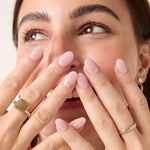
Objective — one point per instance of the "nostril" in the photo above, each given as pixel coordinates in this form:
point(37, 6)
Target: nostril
point(75, 63)
point(72, 66)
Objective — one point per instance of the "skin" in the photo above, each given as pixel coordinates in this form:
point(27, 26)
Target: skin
point(60, 35)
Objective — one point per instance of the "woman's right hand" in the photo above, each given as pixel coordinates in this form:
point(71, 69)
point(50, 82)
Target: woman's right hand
point(14, 134)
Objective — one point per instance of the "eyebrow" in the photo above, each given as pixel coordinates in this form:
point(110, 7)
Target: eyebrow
point(82, 10)
point(35, 16)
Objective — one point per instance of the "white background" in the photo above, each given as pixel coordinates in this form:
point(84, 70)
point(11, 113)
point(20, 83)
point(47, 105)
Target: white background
point(7, 48)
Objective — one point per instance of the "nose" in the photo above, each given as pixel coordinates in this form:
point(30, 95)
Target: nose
point(59, 45)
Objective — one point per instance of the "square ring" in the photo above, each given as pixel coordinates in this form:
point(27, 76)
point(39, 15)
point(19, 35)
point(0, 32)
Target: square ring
point(22, 105)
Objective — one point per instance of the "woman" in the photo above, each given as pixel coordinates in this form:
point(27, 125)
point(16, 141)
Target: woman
point(78, 67)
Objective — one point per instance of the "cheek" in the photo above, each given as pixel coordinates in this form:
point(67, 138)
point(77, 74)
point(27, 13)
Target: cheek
point(105, 55)
point(23, 52)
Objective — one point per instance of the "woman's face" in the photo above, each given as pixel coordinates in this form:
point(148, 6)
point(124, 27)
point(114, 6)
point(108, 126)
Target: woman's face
point(99, 29)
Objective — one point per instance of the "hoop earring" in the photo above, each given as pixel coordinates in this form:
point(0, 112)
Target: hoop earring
point(141, 80)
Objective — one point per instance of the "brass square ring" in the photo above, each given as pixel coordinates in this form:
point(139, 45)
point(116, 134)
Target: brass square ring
point(22, 106)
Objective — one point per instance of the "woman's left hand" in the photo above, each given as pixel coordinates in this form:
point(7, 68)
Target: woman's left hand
point(108, 111)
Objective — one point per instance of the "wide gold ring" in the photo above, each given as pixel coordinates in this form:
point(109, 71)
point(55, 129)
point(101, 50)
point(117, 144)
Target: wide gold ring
point(129, 129)
point(22, 106)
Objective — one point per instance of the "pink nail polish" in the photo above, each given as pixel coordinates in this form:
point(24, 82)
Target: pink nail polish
point(66, 59)
point(82, 81)
point(37, 53)
point(79, 123)
point(70, 79)
point(61, 124)
point(121, 66)
point(91, 66)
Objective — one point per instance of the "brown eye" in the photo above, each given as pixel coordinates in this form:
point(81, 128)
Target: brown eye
point(38, 36)
point(94, 29)
point(35, 35)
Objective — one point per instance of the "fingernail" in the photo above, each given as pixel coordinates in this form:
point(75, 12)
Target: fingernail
point(66, 59)
point(79, 123)
point(61, 124)
point(70, 79)
point(82, 81)
point(121, 66)
point(37, 53)
point(91, 66)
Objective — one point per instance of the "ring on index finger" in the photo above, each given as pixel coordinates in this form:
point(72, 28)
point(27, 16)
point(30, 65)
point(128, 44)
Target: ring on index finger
point(22, 106)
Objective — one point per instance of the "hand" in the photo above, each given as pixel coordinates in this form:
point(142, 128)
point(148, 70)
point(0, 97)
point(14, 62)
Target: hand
point(108, 112)
point(55, 141)
point(14, 134)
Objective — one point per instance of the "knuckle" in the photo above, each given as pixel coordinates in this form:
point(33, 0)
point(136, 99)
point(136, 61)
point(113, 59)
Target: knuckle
point(90, 96)
point(24, 67)
point(50, 145)
point(53, 71)
point(11, 84)
point(120, 107)
point(141, 101)
point(42, 116)
point(105, 122)
point(103, 82)
point(33, 93)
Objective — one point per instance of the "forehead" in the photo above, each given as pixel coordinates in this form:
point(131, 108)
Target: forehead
point(64, 7)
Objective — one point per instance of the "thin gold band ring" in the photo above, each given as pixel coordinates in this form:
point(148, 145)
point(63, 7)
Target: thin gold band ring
point(129, 129)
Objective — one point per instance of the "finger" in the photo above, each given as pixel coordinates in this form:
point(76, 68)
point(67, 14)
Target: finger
point(111, 99)
point(51, 143)
point(45, 113)
point(98, 115)
point(15, 80)
point(47, 80)
point(39, 88)
point(71, 137)
point(55, 141)
point(135, 98)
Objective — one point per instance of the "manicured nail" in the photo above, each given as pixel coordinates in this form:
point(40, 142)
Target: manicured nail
point(37, 53)
point(121, 66)
point(79, 123)
point(66, 59)
point(82, 81)
point(70, 79)
point(91, 66)
point(61, 124)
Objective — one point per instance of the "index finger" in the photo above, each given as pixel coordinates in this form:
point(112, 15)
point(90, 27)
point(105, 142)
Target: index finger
point(16, 79)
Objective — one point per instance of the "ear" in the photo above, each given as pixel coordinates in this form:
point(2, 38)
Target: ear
point(143, 60)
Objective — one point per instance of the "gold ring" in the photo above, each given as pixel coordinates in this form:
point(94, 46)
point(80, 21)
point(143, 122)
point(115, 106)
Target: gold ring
point(129, 129)
point(23, 107)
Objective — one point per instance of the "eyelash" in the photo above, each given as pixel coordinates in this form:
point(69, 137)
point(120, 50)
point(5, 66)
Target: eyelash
point(89, 24)
point(29, 33)
point(81, 31)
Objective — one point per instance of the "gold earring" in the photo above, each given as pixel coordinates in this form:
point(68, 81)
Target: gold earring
point(141, 80)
